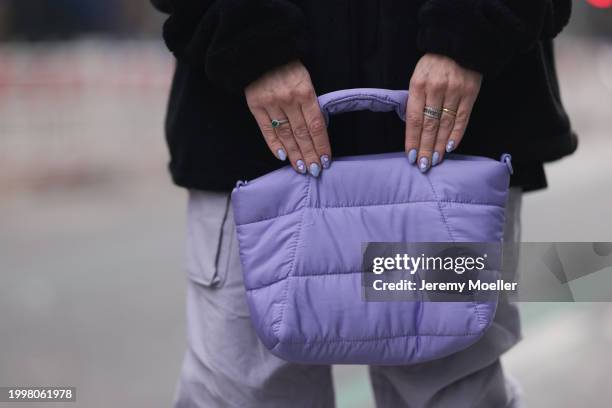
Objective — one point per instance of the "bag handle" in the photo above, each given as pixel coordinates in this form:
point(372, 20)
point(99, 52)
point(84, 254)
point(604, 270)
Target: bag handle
point(359, 99)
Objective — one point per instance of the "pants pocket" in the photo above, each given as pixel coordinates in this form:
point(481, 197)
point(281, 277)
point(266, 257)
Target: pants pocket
point(208, 233)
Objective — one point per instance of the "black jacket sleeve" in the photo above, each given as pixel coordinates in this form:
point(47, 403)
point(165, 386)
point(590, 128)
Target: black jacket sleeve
point(234, 41)
point(484, 35)
point(162, 5)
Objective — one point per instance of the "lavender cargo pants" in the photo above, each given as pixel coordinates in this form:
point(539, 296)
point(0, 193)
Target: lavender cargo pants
point(227, 366)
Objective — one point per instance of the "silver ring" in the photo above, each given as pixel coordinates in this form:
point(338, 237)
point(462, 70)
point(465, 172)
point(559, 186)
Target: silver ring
point(278, 122)
point(432, 113)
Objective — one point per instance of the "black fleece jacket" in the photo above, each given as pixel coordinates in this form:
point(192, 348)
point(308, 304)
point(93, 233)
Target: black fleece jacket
point(223, 45)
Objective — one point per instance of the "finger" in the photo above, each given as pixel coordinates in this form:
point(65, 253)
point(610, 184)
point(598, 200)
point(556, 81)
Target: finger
point(434, 98)
point(414, 118)
point(461, 121)
point(447, 122)
point(318, 131)
point(265, 125)
point(285, 135)
point(301, 133)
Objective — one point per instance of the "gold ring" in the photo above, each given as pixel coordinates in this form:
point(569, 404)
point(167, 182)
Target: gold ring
point(449, 111)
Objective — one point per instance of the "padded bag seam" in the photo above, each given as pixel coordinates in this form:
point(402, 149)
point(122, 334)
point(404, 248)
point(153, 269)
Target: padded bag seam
point(446, 219)
point(331, 207)
point(439, 205)
point(391, 337)
point(276, 328)
point(450, 233)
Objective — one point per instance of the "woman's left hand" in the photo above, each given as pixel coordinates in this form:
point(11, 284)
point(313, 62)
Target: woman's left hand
point(442, 94)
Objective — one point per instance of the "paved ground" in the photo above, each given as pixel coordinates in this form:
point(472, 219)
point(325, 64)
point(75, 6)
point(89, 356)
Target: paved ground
point(91, 285)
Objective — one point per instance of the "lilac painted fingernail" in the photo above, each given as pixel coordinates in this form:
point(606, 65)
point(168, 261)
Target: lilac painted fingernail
point(450, 146)
point(301, 167)
point(282, 156)
point(412, 156)
point(424, 164)
point(435, 159)
point(314, 169)
point(325, 162)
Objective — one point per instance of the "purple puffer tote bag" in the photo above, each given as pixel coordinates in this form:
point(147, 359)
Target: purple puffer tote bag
point(301, 241)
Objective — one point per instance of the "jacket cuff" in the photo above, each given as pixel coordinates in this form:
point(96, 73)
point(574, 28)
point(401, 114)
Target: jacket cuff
point(237, 41)
point(475, 55)
point(480, 35)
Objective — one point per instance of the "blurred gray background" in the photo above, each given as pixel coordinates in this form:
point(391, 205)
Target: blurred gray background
point(91, 241)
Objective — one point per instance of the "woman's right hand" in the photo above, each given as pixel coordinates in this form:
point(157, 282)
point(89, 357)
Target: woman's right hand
point(286, 94)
